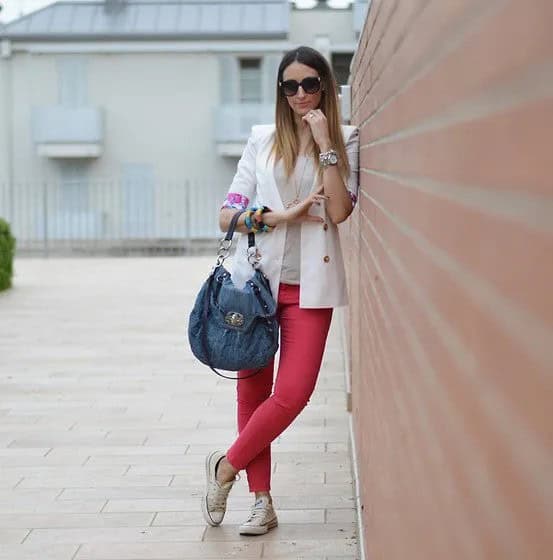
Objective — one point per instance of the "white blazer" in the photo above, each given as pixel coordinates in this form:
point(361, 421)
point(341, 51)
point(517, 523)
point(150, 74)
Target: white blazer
point(322, 275)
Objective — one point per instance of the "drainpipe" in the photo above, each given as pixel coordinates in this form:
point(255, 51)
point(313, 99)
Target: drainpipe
point(5, 54)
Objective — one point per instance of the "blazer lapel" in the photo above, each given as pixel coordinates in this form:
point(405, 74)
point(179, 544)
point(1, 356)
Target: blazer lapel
point(268, 188)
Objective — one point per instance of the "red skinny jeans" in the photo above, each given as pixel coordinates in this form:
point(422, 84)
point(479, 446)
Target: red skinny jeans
point(262, 417)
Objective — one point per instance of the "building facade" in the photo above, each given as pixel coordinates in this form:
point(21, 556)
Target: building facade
point(124, 119)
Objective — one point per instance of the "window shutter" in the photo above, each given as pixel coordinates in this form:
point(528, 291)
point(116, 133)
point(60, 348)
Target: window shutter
point(229, 77)
point(270, 69)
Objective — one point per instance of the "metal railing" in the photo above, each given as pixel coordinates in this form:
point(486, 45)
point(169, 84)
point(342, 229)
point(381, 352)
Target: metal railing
point(112, 217)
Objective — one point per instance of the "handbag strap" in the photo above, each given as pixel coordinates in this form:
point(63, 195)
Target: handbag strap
point(232, 225)
point(222, 255)
point(232, 228)
point(226, 242)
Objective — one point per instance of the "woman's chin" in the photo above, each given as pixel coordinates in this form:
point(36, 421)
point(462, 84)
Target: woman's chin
point(302, 111)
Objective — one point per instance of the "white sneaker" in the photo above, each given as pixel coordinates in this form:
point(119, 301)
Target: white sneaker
point(261, 520)
point(214, 503)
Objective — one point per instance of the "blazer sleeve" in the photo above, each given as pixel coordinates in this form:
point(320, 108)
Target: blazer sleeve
point(243, 186)
point(352, 151)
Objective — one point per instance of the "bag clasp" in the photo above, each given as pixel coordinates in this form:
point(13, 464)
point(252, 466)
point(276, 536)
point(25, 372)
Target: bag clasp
point(254, 256)
point(223, 251)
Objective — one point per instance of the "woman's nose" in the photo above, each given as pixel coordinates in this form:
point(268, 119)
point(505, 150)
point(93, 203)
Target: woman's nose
point(301, 93)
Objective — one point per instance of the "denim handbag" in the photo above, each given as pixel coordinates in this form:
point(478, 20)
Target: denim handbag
point(230, 328)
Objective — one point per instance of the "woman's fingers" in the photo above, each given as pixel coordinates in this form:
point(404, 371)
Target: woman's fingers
point(299, 211)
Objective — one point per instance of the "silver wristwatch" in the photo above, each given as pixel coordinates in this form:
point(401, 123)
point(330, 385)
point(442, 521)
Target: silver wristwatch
point(328, 158)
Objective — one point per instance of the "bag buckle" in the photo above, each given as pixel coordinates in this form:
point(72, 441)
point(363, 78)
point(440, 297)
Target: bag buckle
point(223, 251)
point(234, 319)
point(254, 256)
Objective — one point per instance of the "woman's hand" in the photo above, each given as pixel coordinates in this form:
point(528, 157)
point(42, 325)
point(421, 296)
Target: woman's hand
point(319, 128)
point(299, 212)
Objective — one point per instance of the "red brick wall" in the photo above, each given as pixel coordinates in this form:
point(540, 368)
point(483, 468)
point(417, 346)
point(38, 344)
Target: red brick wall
point(450, 266)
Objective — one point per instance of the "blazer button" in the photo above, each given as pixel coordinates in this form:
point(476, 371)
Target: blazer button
point(326, 259)
point(325, 227)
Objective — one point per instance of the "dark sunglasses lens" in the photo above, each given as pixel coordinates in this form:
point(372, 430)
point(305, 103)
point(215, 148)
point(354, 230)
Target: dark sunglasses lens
point(290, 87)
point(311, 85)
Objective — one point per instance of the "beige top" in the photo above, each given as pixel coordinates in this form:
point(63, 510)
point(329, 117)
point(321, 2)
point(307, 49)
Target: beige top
point(297, 186)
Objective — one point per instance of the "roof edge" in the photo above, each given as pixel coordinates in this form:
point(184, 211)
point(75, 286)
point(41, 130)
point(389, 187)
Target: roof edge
point(141, 37)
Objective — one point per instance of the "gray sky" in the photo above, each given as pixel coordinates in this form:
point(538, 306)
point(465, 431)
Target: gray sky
point(15, 8)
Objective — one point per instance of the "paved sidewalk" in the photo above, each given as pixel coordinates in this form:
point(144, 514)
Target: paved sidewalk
point(105, 420)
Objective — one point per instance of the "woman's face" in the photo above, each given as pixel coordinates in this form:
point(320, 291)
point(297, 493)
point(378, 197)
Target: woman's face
point(301, 103)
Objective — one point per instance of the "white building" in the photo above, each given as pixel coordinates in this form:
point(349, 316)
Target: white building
point(124, 119)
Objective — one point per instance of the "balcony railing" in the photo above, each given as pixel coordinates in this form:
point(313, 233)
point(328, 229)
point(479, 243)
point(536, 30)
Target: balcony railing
point(68, 132)
point(113, 216)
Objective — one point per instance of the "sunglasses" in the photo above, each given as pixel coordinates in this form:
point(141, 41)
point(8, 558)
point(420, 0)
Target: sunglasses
point(311, 84)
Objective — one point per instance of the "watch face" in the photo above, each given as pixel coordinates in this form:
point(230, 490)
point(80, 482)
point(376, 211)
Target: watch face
point(333, 159)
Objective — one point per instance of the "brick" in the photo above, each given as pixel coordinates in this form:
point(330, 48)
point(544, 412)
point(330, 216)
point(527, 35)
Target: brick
point(509, 166)
point(464, 72)
point(500, 238)
point(489, 327)
point(454, 100)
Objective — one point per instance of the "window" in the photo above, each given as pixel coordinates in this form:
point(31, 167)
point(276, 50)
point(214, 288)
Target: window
point(340, 66)
point(250, 80)
point(72, 81)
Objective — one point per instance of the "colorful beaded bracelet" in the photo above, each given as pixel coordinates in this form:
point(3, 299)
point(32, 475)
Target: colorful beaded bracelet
point(254, 221)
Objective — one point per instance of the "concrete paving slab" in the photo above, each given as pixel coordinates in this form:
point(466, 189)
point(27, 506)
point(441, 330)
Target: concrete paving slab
point(236, 517)
point(69, 520)
point(34, 552)
point(13, 536)
point(296, 548)
point(108, 418)
point(288, 532)
point(116, 535)
point(170, 551)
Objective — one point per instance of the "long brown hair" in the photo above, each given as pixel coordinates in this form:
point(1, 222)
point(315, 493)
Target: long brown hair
point(286, 142)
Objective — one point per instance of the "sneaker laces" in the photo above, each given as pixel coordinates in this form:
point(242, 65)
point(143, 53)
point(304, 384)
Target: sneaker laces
point(258, 511)
point(217, 498)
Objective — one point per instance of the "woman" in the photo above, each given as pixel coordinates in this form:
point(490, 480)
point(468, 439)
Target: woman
point(302, 174)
